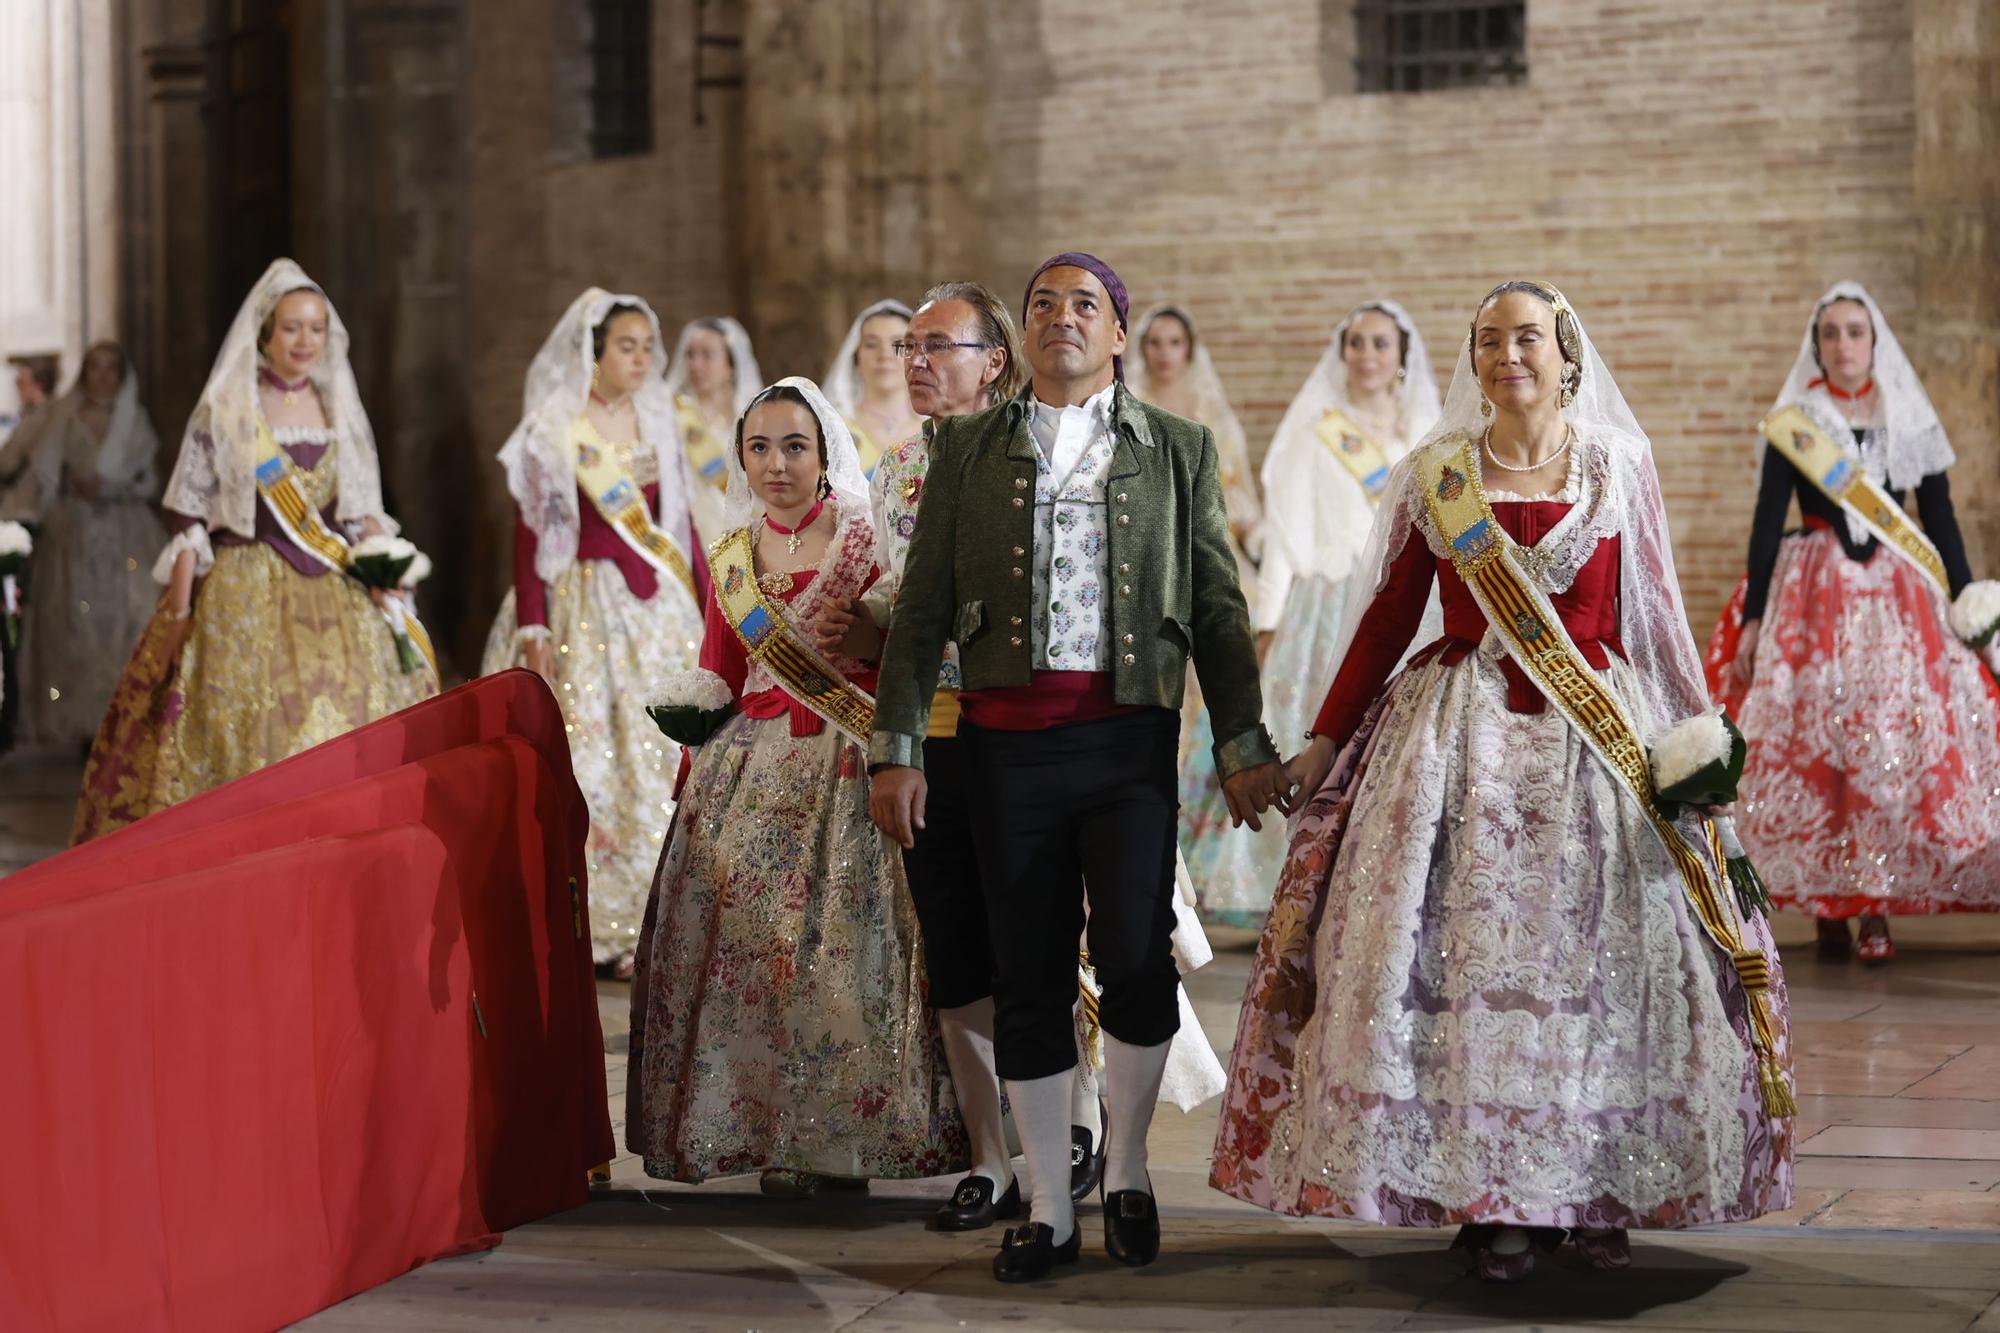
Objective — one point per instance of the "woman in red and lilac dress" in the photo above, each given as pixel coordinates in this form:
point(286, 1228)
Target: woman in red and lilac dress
point(1870, 786)
point(1489, 995)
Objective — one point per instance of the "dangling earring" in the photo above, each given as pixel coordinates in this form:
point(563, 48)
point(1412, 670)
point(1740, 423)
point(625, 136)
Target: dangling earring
point(1570, 375)
point(595, 372)
point(1402, 372)
point(1485, 407)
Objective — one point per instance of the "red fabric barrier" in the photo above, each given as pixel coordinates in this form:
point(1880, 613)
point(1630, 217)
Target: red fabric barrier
point(247, 1074)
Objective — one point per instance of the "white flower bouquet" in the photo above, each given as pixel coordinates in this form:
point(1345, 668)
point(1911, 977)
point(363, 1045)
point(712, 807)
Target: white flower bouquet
point(690, 706)
point(392, 565)
point(1975, 612)
point(1700, 763)
point(15, 548)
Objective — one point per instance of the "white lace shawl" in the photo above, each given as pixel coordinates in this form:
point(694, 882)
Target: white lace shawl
point(540, 458)
point(1239, 484)
point(743, 361)
point(843, 463)
point(1315, 513)
point(1907, 442)
point(1620, 497)
point(214, 480)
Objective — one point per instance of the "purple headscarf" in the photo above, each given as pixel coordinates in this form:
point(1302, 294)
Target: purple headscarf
point(1104, 273)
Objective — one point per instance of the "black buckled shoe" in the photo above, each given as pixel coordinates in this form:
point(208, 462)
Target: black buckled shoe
point(1028, 1253)
point(1131, 1227)
point(1086, 1168)
point(972, 1205)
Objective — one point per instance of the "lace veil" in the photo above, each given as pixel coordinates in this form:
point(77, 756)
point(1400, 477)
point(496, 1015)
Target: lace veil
point(1214, 410)
point(1620, 497)
point(1909, 443)
point(843, 462)
point(749, 380)
point(1320, 520)
point(842, 382)
point(214, 480)
point(541, 461)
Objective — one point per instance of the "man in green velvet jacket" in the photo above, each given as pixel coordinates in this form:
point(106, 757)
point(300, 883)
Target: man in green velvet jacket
point(1073, 543)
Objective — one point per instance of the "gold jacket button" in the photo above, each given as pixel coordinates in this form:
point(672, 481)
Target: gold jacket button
point(1124, 520)
point(1020, 483)
point(1121, 497)
point(1015, 640)
point(1124, 590)
point(1018, 552)
point(1124, 569)
point(1013, 620)
point(1017, 571)
point(1128, 641)
point(1019, 503)
point(1130, 659)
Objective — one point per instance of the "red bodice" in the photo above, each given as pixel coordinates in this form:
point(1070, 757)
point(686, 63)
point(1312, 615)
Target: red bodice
point(722, 652)
point(1589, 610)
point(596, 540)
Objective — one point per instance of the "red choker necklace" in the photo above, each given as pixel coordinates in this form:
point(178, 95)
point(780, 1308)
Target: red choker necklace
point(791, 535)
point(1843, 395)
point(276, 381)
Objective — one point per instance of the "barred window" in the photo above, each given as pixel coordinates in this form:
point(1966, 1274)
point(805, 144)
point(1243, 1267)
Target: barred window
point(1410, 46)
point(621, 77)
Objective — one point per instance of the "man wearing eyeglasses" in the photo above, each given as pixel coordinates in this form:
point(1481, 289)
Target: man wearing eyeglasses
point(1074, 546)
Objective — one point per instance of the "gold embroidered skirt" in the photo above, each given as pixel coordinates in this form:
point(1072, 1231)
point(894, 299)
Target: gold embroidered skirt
point(272, 663)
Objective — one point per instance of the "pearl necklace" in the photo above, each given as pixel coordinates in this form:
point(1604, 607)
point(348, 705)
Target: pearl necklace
point(1486, 442)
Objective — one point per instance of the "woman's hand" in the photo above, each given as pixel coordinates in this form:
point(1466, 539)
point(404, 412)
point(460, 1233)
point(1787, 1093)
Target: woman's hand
point(539, 656)
point(1309, 769)
point(179, 594)
point(1745, 661)
point(843, 626)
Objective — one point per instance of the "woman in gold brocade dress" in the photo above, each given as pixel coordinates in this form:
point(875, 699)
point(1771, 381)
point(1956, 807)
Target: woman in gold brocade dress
point(260, 648)
point(712, 377)
point(601, 607)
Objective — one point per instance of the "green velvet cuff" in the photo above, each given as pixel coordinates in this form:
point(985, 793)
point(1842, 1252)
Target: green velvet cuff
point(892, 749)
point(1248, 750)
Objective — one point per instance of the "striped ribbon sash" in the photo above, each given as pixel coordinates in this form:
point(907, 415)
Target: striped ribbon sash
point(1524, 619)
point(698, 442)
point(283, 491)
point(768, 637)
point(621, 502)
point(1838, 475)
point(1357, 453)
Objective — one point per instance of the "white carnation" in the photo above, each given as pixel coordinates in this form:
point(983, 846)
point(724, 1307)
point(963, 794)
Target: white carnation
point(1976, 610)
point(419, 570)
point(395, 548)
point(14, 539)
point(694, 688)
point(1690, 747)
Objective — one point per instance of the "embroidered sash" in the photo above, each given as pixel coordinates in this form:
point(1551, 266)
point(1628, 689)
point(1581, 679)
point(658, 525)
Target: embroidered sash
point(279, 483)
point(1524, 619)
point(770, 639)
point(704, 452)
point(1839, 476)
point(621, 502)
point(1356, 452)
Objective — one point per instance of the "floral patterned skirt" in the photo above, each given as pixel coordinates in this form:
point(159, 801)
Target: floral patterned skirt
point(1482, 997)
point(779, 1015)
point(1872, 783)
point(619, 647)
point(269, 663)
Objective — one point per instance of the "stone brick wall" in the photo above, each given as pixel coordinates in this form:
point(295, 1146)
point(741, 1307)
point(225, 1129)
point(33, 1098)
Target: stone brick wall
point(1691, 174)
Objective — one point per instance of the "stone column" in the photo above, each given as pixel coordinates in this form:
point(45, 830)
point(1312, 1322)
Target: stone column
point(1956, 343)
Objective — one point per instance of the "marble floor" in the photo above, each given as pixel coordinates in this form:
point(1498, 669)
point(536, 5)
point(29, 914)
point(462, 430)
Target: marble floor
point(1896, 1225)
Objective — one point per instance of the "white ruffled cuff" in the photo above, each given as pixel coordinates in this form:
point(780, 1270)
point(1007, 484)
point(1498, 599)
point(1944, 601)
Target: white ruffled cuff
point(191, 538)
point(527, 634)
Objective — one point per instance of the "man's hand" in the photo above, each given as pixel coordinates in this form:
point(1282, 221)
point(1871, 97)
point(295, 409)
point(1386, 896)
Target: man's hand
point(843, 626)
point(896, 798)
point(1253, 791)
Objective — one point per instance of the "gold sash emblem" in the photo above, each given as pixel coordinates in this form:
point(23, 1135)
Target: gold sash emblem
point(768, 637)
point(1838, 475)
point(1359, 454)
point(1534, 634)
point(704, 452)
point(621, 502)
point(282, 489)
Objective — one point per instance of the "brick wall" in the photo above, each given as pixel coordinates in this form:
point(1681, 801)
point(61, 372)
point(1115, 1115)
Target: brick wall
point(1691, 174)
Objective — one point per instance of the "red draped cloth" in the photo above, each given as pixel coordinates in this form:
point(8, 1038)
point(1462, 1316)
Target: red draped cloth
point(298, 1035)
